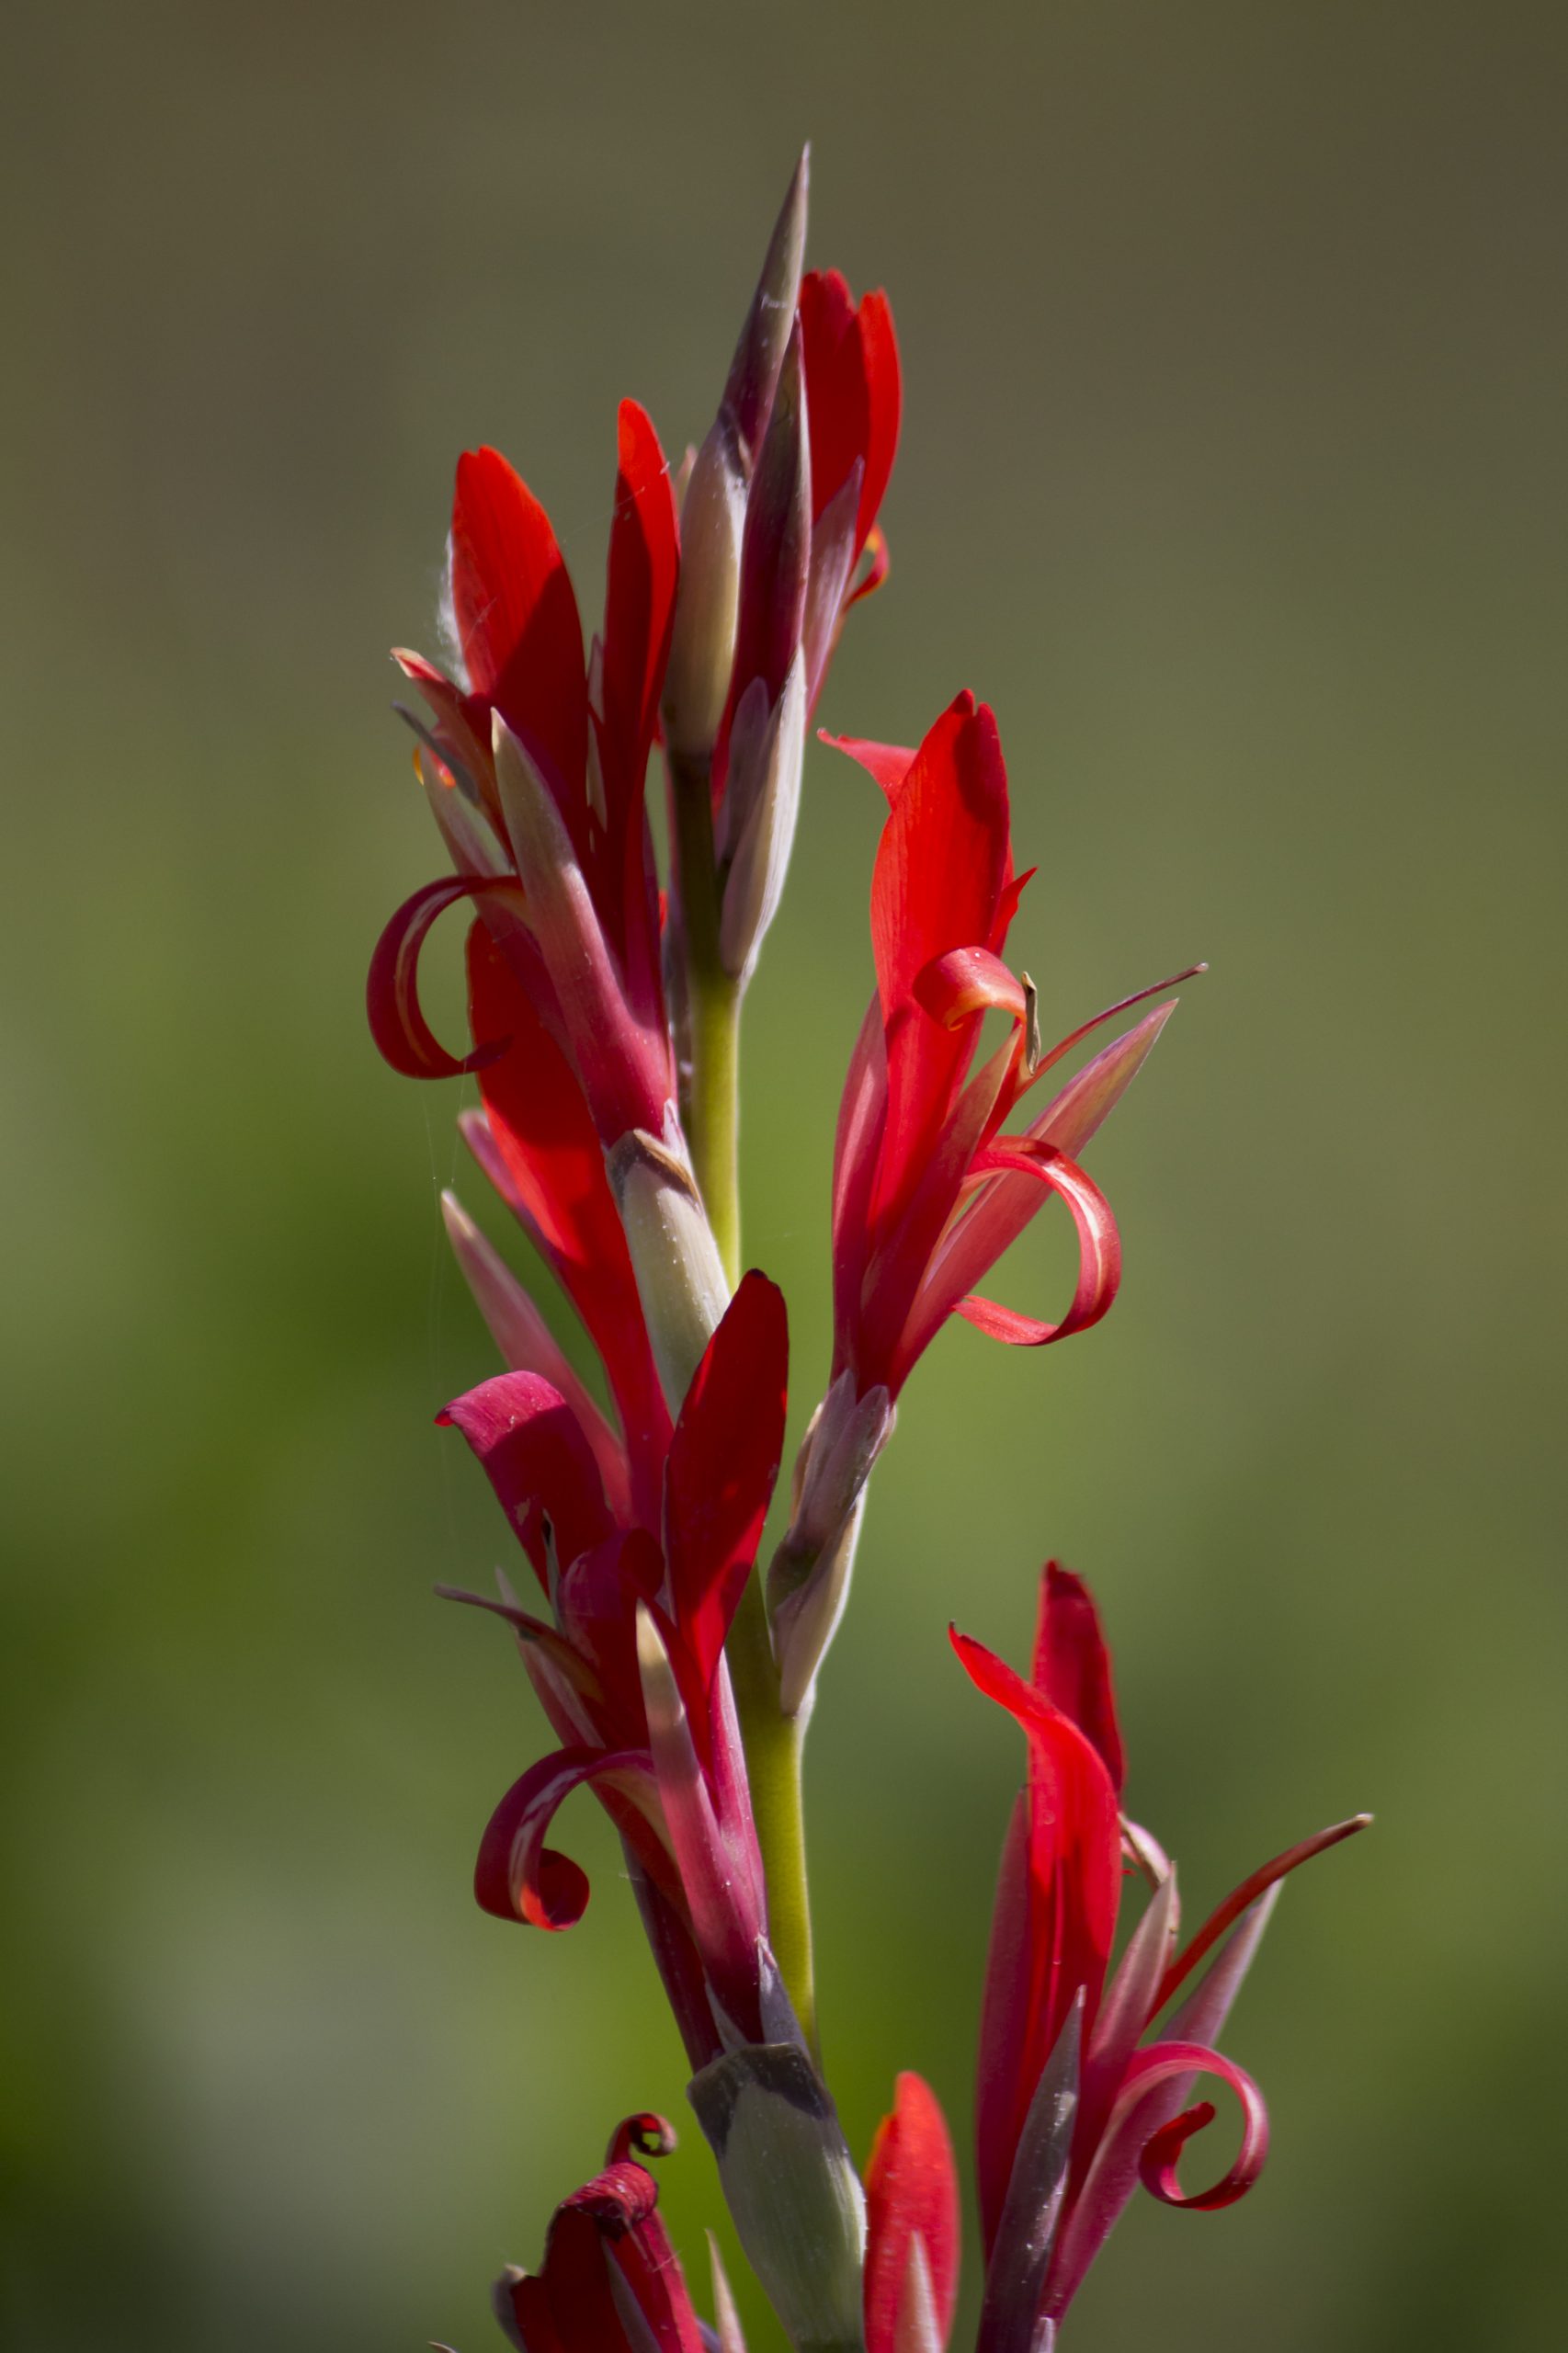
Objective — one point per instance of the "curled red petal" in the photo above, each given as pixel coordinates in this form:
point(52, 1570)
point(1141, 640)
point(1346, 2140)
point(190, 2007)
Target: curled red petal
point(1140, 2123)
point(1099, 1249)
point(517, 1877)
point(536, 1455)
point(912, 2197)
point(392, 993)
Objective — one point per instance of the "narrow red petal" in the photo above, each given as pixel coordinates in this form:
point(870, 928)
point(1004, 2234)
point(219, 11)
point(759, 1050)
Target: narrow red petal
point(911, 2194)
point(723, 1462)
point(1099, 1251)
point(1071, 1664)
point(884, 404)
point(1247, 1893)
point(517, 616)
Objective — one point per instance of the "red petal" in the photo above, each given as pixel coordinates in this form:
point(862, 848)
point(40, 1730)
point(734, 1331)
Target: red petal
point(1129, 2149)
point(943, 853)
point(1099, 1251)
point(391, 991)
point(723, 1461)
point(644, 565)
point(517, 1877)
point(532, 1450)
point(838, 400)
point(540, 1125)
point(888, 763)
point(1071, 1664)
point(912, 2194)
point(885, 400)
point(516, 616)
point(1240, 1898)
point(1072, 1858)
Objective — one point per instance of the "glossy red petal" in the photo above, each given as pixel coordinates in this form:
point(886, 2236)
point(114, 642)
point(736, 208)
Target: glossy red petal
point(533, 1452)
point(516, 617)
point(943, 854)
point(889, 763)
point(884, 396)
point(403, 1035)
point(644, 568)
point(517, 1877)
point(541, 1126)
point(723, 1462)
point(912, 2195)
point(1071, 1664)
point(836, 394)
point(1066, 1923)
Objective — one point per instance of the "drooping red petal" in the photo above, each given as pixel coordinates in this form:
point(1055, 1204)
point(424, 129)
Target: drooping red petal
point(1071, 1664)
point(723, 1461)
point(912, 2195)
point(541, 1126)
point(889, 763)
point(391, 991)
point(535, 1455)
point(516, 617)
point(1072, 1854)
point(517, 1877)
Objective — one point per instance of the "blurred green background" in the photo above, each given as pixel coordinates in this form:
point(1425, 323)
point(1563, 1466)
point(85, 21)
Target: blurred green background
point(1233, 475)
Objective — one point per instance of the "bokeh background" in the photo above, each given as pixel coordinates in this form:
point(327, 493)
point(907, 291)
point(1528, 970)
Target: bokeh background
point(1233, 475)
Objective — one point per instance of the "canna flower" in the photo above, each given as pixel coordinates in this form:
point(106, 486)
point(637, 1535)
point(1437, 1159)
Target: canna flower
point(628, 1665)
point(928, 1189)
point(1075, 2105)
point(610, 2281)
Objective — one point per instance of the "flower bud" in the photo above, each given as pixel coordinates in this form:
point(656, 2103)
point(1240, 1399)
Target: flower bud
point(762, 802)
point(702, 644)
point(753, 371)
point(808, 1580)
point(791, 2188)
point(680, 1276)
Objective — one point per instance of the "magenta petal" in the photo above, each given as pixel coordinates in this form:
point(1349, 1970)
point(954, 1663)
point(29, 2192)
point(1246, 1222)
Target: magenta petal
point(517, 1876)
point(535, 1456)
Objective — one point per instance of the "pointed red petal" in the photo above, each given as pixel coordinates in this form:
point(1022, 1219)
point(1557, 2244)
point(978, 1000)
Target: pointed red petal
point(1247, 1893)
point(516, 616)
point(1067, 1925)
point(884, 401)
point(888, 763)
point(723, 1461)
point(912, 2194)
point(1071, 1664)
point(644, 565)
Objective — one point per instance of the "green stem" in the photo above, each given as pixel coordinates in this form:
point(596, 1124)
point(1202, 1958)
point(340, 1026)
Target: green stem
point(713, 1005)
point(775, 1746)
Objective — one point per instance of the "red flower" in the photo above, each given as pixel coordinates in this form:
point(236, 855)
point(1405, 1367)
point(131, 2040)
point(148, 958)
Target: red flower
point(535, 766)
point(912, 2226)
point(1073, 2108)
point(610, 2281)
point(927, 1191)
point(630, 1665)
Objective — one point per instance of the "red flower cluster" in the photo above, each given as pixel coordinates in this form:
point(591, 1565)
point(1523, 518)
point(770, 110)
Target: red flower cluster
point(1073, 2105)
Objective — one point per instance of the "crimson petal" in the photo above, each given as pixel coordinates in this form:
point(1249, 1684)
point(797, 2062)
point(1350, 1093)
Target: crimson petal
point(516, 616)
point(517, 1877)
point(391, 994)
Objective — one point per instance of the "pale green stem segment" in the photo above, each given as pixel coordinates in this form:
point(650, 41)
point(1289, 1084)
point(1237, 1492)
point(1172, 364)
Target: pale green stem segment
point(775, 1746)
point(713, 1001)
point(773, 1741)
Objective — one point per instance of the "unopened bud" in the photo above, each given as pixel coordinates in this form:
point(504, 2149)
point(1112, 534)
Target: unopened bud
point(775, 551)
point(808, 1579)
point(703, 642)
point(680, 1276)
point(753, 371)
point(790, 2188)
point(762, 802)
